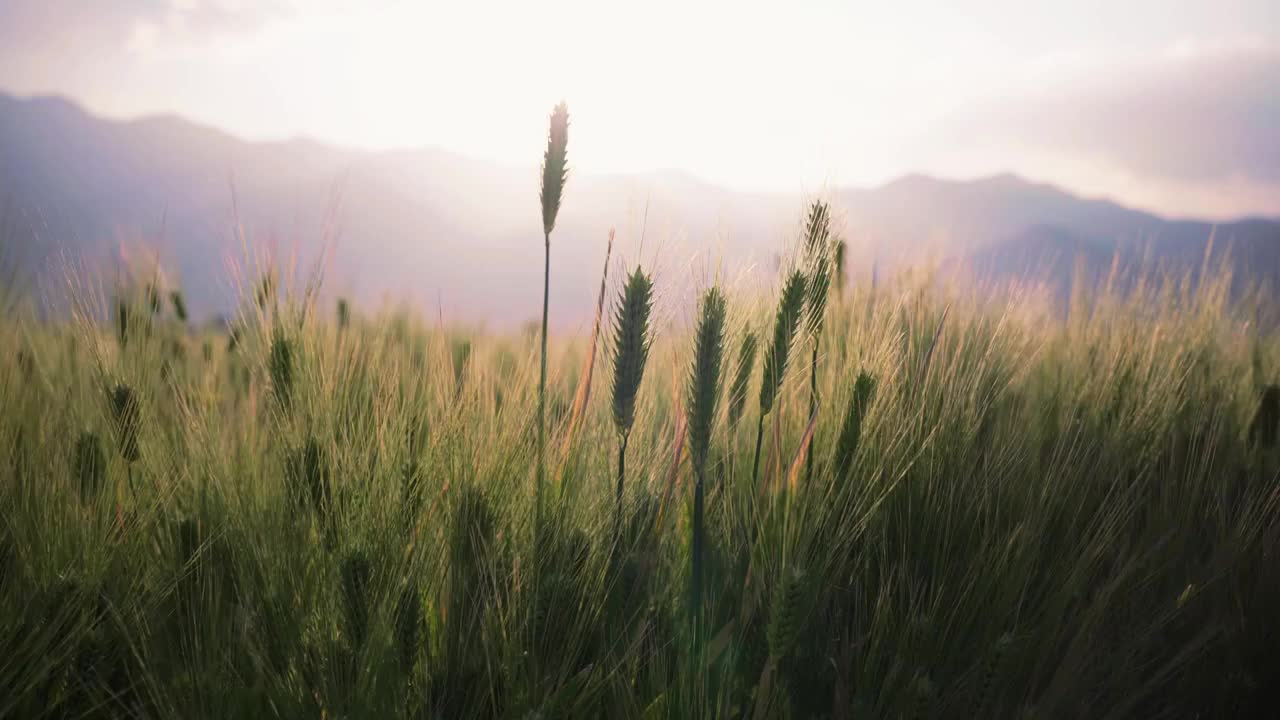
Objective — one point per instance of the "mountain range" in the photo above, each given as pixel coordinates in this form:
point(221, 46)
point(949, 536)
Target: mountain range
point(462, 235)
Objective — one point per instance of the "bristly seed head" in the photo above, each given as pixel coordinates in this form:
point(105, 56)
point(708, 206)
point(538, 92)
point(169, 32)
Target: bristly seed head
point(742, 377)
point(90, 465)
point(817, 265)
point(282, 369)
point(790, 308)
point(179, 305)
point(124, 408)
point(631, 347)
point(555, 169)
point(704, 380)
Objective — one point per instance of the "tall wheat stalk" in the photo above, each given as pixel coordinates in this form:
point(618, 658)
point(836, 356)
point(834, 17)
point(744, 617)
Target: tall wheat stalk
point(555, 172)
point(817, 247)
point(703, 397)
point(630, 355)
point(785, 323)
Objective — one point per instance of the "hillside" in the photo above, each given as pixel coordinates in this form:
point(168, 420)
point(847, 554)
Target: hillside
point(434, 227)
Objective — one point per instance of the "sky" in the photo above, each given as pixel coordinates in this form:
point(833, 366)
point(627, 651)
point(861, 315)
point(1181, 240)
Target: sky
point(1168, 105)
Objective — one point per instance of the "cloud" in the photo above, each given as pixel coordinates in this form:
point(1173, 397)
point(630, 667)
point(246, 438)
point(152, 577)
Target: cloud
point(1189, 117)
point(62, 31)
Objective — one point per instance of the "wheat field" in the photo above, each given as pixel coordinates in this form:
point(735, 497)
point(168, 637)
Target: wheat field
point(835, 501)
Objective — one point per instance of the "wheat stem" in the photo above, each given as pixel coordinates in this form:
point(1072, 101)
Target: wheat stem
point(542, 387)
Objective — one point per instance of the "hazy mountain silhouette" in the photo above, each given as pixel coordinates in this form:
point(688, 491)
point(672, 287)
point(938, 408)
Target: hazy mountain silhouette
point(430, 225)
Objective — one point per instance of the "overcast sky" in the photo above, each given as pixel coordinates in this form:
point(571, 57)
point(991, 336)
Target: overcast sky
point(1171, 105)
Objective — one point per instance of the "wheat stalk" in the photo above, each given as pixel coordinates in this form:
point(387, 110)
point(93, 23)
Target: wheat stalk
point(818, 271)
point(851, 429)
point(703, 397)
point(555, 171)
point(790, 307)
point(631, 354)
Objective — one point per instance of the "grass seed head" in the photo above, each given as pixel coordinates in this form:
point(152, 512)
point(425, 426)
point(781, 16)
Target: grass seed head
point(281, 367)
point(123, 317)
point(179, 305)
point(785, 323)
point(408, 626)
point(153, 299)
point(631, 347)
point(555, 169)
point(851, 429)
point(356, 575)
point(344, 314)
point(747, 350)
point(817, 265)
point(1264, 430)
point(90, 465)
point(785, 615)
point(128, 416)
point(704, 380)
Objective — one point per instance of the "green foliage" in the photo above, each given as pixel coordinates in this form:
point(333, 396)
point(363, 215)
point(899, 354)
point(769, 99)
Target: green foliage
point(1042, 518)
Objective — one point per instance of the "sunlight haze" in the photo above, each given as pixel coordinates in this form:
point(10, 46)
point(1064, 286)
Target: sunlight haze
point(770, 96)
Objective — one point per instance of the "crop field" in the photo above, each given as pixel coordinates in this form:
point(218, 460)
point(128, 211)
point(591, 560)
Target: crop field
point(833, 501)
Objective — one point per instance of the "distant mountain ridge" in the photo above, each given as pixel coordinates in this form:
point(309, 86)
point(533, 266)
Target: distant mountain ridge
point(433, 226)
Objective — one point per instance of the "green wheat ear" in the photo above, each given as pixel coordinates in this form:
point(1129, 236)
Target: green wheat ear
point(786, 614)
point(408, 626)
point(742, 378)
point(703, 396)
point(123, 314)
point(355, 595)
point(631, 347)
point(179, 305)
point(281, 368)
point(460, 355)
point(90, 465)
point(1264, 429)
point(785, 323)
point(704, 380)
point(864, 389)
point(344, 314)
point(839, 271)
point(153, 299)
point(555, 169)
point(630, 355)
point(128, 416)
point(790, 308)
point(817, 251)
